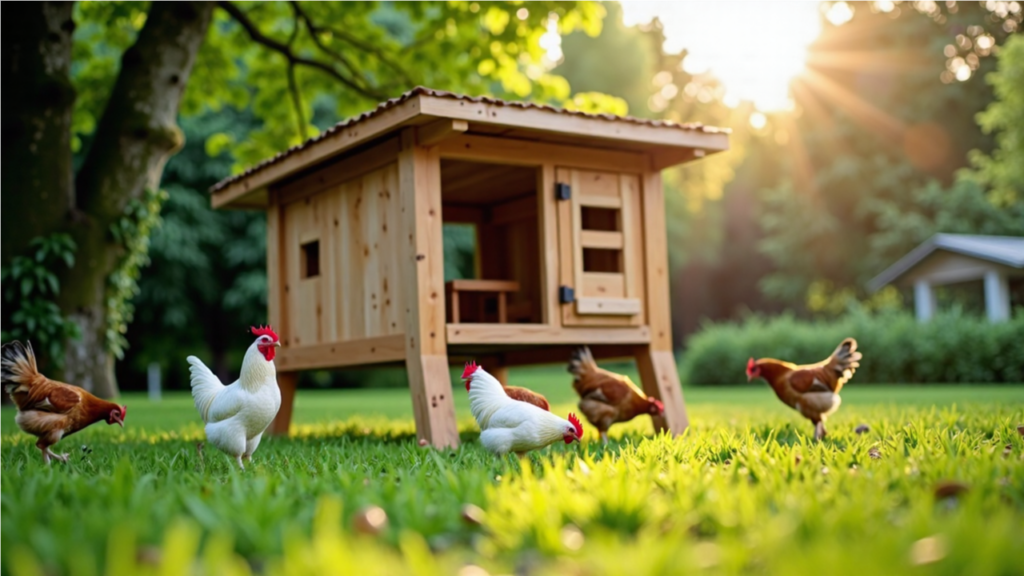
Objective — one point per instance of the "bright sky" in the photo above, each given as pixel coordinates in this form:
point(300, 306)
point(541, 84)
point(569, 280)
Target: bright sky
point(753, 48)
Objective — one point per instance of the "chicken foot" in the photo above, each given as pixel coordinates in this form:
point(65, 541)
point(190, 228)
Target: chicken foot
point(47, 454)
point(819, 430)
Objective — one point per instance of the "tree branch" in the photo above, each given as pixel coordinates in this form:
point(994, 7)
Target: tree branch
point(293, 58)
point(315, 29)
point(293, 85)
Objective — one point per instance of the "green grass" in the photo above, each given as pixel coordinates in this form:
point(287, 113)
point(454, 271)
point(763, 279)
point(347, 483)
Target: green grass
point(745, 491)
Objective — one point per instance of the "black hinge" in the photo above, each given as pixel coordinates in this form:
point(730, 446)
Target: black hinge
point(563, 191)
point(566, 295)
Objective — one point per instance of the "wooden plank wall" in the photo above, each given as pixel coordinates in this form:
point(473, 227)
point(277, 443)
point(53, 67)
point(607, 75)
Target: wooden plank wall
point(358, 293)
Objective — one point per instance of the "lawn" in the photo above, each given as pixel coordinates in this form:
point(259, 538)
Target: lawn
point(745, 491)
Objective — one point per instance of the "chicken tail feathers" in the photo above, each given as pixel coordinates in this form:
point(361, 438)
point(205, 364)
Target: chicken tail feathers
point(846, 359)
point(582, 362)
point(205, 386)
point(18, 363)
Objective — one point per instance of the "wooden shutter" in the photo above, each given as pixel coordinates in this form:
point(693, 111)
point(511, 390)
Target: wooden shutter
point(600, 248)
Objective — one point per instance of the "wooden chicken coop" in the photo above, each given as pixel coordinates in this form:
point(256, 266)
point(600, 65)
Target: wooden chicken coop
point(568, 216)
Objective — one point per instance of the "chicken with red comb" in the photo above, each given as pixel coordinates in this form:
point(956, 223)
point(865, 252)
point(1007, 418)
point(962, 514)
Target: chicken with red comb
point(508, 425)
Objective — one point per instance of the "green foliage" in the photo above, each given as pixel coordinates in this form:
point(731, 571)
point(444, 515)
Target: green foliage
point(745, 491)
point(131, 232)
point(1002, 172)
point(30, 289)
point(952, 347)
point(873, 169)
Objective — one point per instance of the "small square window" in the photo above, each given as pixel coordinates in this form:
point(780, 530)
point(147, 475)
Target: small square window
point(310, 259)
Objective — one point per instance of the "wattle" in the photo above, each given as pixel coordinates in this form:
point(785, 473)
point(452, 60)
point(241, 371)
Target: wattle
point(268, 352)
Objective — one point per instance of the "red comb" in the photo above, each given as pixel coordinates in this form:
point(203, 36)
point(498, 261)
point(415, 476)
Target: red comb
point(264, 331)
point(470, 368)
point(661, 407)
point(576, 422)
point(750, 364)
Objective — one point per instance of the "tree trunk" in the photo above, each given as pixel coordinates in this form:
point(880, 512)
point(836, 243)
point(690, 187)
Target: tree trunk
point(134, 138)
point(36, 126)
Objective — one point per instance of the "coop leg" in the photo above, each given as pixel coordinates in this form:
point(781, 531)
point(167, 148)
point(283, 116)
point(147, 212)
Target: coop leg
point(660, 380)
point(432, 403)
point(287, 382)
point(500, 374)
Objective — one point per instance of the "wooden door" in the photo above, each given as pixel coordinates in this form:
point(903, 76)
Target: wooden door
point(600, 248)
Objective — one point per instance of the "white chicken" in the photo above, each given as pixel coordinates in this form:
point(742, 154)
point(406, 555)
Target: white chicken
point(236, 415)
point(508, 425)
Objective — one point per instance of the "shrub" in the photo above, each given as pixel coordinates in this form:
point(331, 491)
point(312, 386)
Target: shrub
point(952, 347)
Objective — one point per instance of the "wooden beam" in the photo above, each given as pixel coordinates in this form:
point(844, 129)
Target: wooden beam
point(533, 153)
point(314, 153)
point(608, 306)
point(549, 247)
point(601, 239)
point(438, 130)
point(470, 285)
point(287, 382)
point(339, 172)
point(659, 314)
point(543, 334)
point(660, 379)
point(426, 351)
point(375, 350)
point(542, 120)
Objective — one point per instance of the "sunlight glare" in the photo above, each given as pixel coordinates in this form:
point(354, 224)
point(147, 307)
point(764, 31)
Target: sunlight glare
point(839, 13)
point(753, 48)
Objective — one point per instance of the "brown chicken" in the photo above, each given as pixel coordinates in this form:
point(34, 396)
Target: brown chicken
point(49, 409)
point(528, 396)
point(812, 390)
point(607, 398)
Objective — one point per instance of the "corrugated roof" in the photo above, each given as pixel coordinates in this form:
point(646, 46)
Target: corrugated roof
point(420, 90)
point(1006, 250)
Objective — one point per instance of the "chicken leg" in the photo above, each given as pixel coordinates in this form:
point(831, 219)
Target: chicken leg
point(604, 436)
point(819, 430)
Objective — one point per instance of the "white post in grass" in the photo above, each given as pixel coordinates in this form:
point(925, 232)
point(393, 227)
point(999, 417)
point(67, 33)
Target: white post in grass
point(153, 381)
point(997, 296)
point(924, 300)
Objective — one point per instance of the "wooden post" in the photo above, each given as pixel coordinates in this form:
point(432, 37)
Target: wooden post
point(500, 373)
point(656, 363)
point(426, 349)
point(287, 382)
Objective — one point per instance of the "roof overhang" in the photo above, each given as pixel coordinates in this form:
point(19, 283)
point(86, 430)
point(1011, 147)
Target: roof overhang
point(440, 114)
point(1003, 250)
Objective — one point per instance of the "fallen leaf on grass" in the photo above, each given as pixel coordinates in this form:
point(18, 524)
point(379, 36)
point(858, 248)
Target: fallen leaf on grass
point(1020, 430)
point(862, 429)
point(1007, 450)
point(928, 550)
point(874, 453)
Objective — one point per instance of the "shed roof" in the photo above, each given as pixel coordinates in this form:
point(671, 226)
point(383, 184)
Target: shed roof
point(421, 105)
point(1005, 250)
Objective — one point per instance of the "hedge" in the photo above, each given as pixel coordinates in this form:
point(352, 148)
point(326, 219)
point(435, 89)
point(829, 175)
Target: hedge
point(952, 347)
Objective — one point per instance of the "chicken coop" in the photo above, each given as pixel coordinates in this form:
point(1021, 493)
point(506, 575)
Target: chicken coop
point(567, 219)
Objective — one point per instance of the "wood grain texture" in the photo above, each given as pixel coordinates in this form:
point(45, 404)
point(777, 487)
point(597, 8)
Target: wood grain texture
point(287, 382)
point(542, 334)
point(426, 351)
point(547, 210)
point(532, 153)
point(659, 378)
point(659, 316)
point(376, 350)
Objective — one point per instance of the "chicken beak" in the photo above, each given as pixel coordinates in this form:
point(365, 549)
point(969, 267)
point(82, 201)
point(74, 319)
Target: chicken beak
point(277, 344)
